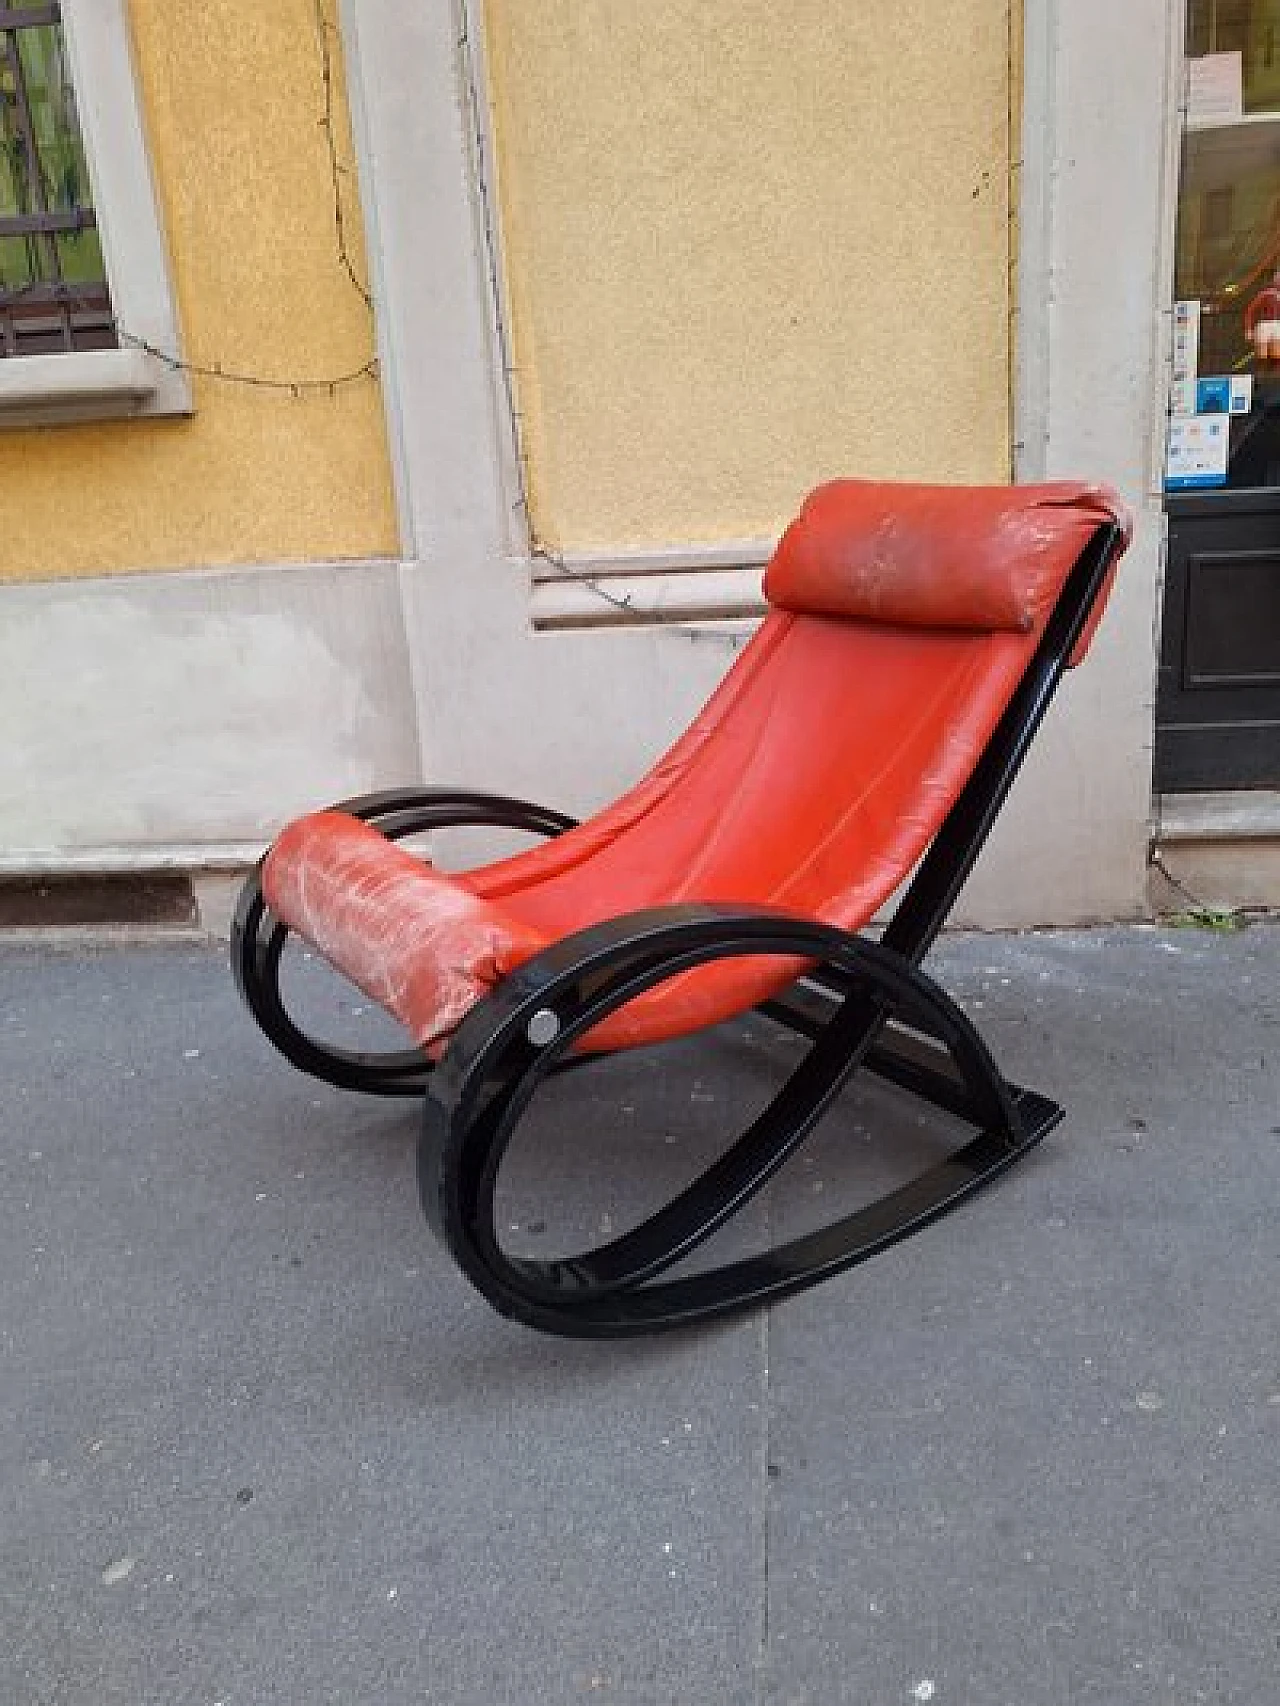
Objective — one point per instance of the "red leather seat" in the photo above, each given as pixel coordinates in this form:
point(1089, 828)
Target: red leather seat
point(902, 619)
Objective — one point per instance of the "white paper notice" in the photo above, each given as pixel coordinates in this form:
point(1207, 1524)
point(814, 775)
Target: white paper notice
point(1198, 447)
point(1215, 88)
point(1241, 393)
point(1182, 397)
point(1186, 340)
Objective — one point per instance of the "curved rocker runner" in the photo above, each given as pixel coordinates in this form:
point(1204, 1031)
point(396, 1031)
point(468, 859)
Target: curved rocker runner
point(871, 729)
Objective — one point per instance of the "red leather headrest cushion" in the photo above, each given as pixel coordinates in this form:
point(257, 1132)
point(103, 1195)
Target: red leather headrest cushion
point(985, 558)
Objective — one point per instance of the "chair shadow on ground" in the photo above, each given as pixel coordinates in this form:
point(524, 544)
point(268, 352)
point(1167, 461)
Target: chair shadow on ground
point(607, 1144)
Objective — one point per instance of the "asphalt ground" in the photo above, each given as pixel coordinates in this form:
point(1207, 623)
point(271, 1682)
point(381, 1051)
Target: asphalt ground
point(260, 1442)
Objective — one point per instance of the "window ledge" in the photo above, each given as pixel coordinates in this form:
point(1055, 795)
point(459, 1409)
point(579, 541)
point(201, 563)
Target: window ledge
point(43, 390)
point(628, 588)
point(1247, 814)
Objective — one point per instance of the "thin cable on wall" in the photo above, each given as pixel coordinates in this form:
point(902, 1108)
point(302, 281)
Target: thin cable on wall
point(482, 175)
point(478, 142)
point(231, 374)
point(337, 169)
point(296, 387)
point(477, 139)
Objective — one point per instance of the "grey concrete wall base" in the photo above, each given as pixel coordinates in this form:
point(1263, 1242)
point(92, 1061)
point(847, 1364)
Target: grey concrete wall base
point(150, 714)
point(568, 718)
point(215, 894)
point(1221, 875)
point(1071, 845)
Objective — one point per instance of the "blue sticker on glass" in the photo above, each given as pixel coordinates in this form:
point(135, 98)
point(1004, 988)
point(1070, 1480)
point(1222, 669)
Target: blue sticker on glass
point(1213, 396)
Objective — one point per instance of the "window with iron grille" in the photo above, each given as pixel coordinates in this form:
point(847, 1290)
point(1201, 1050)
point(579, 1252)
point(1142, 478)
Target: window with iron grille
point(53, 286)
point(88, 317)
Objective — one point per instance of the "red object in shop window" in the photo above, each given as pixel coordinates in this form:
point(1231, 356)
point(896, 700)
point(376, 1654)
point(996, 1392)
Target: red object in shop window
point(1262, 322)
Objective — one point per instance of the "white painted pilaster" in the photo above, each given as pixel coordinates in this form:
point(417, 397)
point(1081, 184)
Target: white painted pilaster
point(1098, 199)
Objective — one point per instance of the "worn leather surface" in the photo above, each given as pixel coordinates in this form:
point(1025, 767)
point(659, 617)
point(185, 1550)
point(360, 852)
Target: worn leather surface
point(413, 940)
point(813, 780)
point(988, 558)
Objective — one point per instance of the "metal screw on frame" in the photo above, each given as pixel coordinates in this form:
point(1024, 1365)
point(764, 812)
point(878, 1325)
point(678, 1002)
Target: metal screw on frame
point(543, 1028)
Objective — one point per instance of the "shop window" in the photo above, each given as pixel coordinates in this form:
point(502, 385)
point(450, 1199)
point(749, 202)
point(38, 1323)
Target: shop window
point(1218, 699)
point(87, 325)
point(1225, 428)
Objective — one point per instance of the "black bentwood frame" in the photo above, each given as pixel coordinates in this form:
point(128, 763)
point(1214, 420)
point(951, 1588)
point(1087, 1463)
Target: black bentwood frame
point(865, 1005)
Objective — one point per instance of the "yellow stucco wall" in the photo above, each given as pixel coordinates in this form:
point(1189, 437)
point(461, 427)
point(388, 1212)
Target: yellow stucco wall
point(750, 246)
point(233, 95)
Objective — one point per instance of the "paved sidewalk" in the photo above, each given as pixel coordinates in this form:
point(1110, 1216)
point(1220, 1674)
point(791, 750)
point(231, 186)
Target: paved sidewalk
point(259, 1443)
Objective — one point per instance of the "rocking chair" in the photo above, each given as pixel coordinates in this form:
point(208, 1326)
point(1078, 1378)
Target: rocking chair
point(870, 729)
